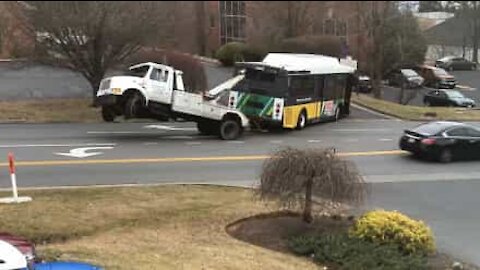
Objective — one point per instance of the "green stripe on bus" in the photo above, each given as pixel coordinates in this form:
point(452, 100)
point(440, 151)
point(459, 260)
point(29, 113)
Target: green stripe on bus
point(267, 106)
point(243, 99)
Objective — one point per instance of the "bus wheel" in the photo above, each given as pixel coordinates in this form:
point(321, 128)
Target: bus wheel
point(230, 129)
point(302, 120)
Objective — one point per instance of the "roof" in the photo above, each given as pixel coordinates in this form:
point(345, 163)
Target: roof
point(314, 63)
point(448, 33)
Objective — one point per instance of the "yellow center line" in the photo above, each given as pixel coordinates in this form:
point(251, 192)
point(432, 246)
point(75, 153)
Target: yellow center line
point(178, 159)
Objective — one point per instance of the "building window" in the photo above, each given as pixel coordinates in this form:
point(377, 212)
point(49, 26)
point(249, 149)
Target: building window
point(232, 21)
point(341, 28)
point(329, 27)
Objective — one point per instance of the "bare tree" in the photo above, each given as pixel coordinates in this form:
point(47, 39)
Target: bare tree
point(92, 36)
point(373, 18)
point(470, 12)
point(284, 19)
point(294, 177)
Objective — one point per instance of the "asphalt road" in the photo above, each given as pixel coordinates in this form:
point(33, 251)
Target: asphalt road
point(444, 195)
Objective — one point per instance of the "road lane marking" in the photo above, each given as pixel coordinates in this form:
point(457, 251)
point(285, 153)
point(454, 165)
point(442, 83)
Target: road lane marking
point(56, 145)
point(385, 140)
point(359, 129)
point(181, 159)
point(236, 142)
point(178, 137)
point(314, 141)
point(193, 143)
point(115, 132)
point(150, 143)
point(163, 127)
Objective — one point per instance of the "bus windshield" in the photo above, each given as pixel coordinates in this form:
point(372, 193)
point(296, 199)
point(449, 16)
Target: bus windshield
point(267, 83)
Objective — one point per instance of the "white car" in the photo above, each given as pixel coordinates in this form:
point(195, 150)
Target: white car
point(11, 257)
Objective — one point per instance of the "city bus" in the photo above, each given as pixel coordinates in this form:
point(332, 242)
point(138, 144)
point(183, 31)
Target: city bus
point(293, 90)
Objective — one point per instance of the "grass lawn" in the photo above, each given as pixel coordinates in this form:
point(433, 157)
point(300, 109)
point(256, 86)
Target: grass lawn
point(49, 111)
point(416, 113)
point(165, 227)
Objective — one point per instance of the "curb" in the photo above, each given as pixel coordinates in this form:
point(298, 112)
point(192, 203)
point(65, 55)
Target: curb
point(132, 185)
point(375, 111)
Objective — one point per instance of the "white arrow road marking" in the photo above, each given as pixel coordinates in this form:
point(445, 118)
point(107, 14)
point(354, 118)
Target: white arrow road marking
point(163, 127)
point(81, 152)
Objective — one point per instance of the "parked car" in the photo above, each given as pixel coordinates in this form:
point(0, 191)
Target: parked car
point(443, 141)
point(436, 77)
point(11, 258)
point(449, 98)
point(455, 63)
point(407, 78)
point(26, 247)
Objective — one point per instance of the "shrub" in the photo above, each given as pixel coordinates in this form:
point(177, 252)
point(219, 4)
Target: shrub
point(293, 176)
point(392, 227)
point(233, 52)
point(331, 46)
point(355, 254)
point(194, 76)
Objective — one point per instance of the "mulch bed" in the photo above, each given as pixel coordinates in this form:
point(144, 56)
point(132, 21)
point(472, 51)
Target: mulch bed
point(272, 231)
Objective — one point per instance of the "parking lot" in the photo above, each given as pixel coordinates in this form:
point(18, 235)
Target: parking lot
point(468, 83)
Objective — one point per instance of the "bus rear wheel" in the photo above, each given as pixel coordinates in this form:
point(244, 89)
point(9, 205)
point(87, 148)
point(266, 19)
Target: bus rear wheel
point(302, 120)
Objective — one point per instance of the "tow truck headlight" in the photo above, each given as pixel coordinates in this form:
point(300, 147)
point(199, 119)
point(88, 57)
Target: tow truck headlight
point(116, 91)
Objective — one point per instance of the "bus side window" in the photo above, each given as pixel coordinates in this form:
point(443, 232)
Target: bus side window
point(319, 87)
point(302, 86)
point(329, 86)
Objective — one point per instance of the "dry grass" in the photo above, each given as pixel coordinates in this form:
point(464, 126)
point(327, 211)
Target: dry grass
point(49, 111)
point(416, 113)
point(170, 227)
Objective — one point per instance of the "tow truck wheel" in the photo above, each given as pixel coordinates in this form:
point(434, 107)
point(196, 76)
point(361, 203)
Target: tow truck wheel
point(131, 106)
point(108, 114)
point(230, 130)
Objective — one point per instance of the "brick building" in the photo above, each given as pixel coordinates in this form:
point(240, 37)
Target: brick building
point(15, 39)
point(203, 26)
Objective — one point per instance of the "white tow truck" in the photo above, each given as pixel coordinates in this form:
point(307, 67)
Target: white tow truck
point(151, 90)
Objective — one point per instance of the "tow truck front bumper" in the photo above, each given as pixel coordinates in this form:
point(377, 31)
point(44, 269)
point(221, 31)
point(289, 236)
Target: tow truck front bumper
point(107, 100)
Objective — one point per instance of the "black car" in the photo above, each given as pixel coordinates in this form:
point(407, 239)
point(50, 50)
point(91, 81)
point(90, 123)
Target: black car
point(363, 84)
point(448, 98)
point(407, 78)
point(443, 141)
point(455, 63)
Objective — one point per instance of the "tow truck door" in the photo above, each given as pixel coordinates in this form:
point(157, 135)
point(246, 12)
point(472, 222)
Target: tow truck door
point(184, 101)
point(158, 85)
